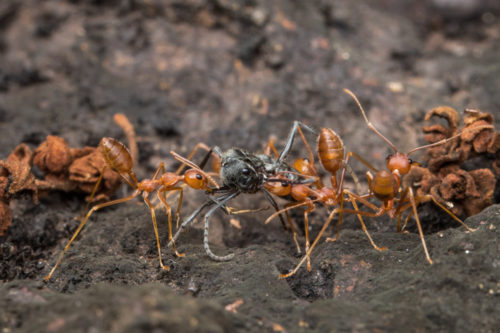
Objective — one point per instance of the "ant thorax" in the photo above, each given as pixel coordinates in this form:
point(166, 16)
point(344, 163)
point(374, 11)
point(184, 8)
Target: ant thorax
point(242, 170)
point(248, 172)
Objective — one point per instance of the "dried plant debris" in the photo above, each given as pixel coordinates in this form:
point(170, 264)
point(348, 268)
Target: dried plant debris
point(64, 169)
point(465, 192)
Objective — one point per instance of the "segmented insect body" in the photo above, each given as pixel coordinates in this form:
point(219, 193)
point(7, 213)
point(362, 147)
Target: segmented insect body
point(245, 172)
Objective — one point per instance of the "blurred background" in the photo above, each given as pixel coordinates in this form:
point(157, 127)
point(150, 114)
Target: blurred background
point(232, 74)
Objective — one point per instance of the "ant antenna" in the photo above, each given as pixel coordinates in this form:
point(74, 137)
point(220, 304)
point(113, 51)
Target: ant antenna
point(440, 142)
point(370, 125)
point(194, 166)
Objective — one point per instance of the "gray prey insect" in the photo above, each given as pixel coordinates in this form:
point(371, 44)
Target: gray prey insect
point(245, 172)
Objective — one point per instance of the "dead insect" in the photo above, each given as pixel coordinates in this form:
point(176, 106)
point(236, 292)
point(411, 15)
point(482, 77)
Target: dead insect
point(118, 158)
point(245, 172)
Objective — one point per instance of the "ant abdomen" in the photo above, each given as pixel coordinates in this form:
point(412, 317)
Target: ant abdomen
point(330, 150)
point(116, 155)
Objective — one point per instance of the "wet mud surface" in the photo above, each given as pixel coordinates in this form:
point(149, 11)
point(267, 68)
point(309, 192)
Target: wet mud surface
point(233, 73)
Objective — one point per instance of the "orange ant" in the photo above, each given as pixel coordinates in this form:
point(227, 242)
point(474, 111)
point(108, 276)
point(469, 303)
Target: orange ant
point(331, 153)
point(385, 186)
point(118, 158)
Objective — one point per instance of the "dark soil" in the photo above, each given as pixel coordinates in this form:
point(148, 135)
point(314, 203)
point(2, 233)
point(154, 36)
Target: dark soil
point(233, 73)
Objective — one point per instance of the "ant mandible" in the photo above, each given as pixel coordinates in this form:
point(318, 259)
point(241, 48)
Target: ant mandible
point(118, 158)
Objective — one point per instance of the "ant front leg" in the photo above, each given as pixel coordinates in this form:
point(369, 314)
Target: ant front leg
point(168, 210)
point(419, 226)
point(153, 216)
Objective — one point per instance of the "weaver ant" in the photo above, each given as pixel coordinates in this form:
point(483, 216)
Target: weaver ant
point(386, 186)
point(330, 149)
point(118, 158)
point(245, 172)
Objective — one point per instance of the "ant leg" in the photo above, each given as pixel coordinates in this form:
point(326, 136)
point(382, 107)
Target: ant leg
point(419, 226)
point(271, 148)
point(308, 253)
point(153, 216)
point(363, 226)
point(306, 229)
point(220, 203)
point(92, 194)
point(275, 206)
point(161, 196)
point(292, 228)
point(294, 233)
point(288, 207)
point(189, 220)
point(431, 197)
point(339, 224)
point(407, 219)
point(401, 208)
point(291, 136)
point(92, 210)
point(361, 159)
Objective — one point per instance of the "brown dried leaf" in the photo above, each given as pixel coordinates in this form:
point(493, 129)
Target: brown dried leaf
point(55, 183)
point(422, 179)
point(473, 115)
point(458, 186)
point(447, 113)
point(4, 182)
point(485, 182)
point(435, 133)
point(87, 168)
point(22, 153)
point(85, 171)
point(53, 155)
point(21, 176)
point(5, 217)
point(494, 146)
point(80, 152)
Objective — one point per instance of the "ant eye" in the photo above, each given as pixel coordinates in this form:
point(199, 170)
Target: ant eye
point(198, 176)
point(285, 184)
point(410, 161)
point(245, 171)
point(389, 156)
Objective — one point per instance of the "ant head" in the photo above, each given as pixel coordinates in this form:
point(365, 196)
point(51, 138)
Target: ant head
point(279, 186)
point(195, 179)
point(240, 170)
point(400, 162)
